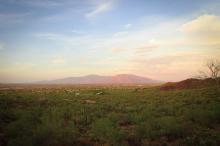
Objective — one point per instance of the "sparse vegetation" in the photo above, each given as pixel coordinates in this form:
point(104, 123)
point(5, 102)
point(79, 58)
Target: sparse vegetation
point(120, 116)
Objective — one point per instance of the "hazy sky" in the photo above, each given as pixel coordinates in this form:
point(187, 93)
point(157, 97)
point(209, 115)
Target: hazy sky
point(161, 39)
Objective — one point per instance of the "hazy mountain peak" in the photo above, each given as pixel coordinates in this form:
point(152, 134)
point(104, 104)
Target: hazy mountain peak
point(98, 79)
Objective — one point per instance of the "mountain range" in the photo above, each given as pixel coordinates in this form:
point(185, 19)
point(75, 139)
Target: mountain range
point(98, 79)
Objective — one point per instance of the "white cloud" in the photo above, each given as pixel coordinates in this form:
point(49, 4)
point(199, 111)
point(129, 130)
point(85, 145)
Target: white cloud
point(162, 36)
point(204, 30)
point(120, 34)
point(99, 8)
point(76, 31)
point(58, 60)
point(163, 51)
point(204, 23)
point(127, 26)
point(49, 36)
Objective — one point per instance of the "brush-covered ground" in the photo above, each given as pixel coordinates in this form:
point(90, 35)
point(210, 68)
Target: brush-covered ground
point(108, 115)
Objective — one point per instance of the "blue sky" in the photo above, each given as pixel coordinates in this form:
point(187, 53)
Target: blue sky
point(162, 39)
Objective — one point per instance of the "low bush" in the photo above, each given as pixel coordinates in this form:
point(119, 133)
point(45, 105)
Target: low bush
point(106, 131)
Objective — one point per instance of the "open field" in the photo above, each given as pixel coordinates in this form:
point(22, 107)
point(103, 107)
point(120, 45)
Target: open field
point(108, 115)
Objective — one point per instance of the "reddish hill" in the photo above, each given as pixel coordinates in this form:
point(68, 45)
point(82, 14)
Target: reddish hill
point(189, 84)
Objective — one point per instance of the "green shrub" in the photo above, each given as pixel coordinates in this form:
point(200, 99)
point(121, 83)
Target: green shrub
point(146, 130)
point(170, 127)
point(205, 116)
point(53, 133)
point(37, 128)
point(20, 132)
point(164, 126)
point(106, 131)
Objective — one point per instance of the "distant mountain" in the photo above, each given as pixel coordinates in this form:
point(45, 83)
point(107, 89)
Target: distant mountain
point(97, 79)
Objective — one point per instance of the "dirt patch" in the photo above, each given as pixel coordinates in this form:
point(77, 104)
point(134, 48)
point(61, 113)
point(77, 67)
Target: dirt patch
point(89, 101)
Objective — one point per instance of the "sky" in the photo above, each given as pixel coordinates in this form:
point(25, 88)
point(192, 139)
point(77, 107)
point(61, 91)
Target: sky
point(167, 40)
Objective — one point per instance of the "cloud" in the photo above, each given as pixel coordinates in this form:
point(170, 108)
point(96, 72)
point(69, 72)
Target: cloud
point(138, 50)
point(204, 23)
point(58, 60)
point(49, 36)
point(204, 29)
point(77, 31)
point(163, 51)
point(118, 50)
point(99, 8)
point(127, 26)
point(166, 35)
point(171, 67)
point(120, 34)
point(145, 49)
